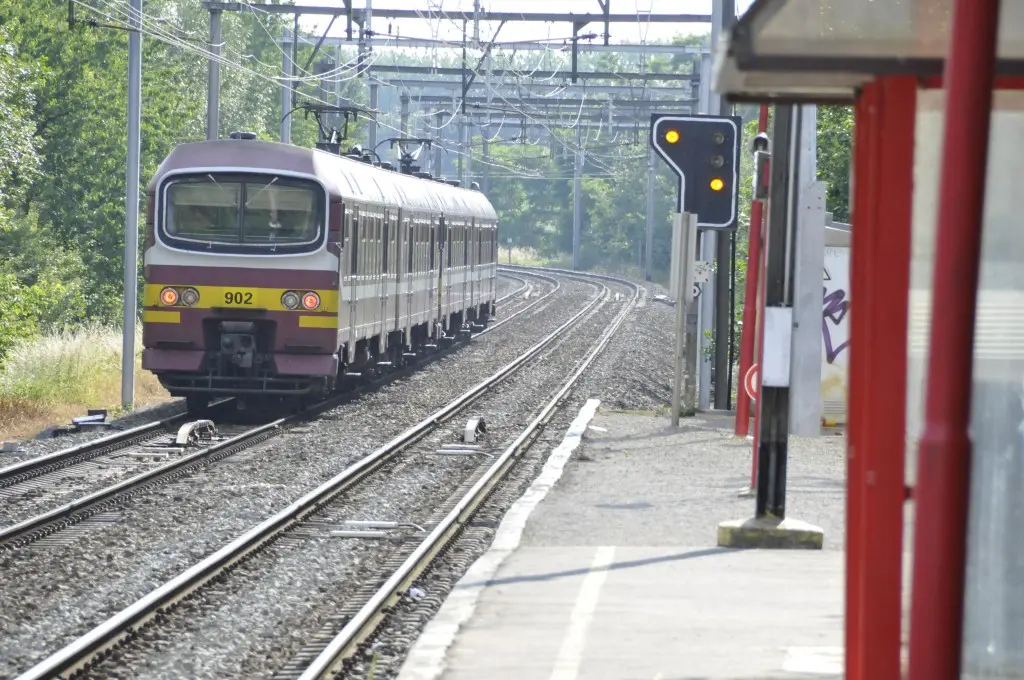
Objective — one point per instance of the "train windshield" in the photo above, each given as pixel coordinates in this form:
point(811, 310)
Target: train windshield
point(243, 213)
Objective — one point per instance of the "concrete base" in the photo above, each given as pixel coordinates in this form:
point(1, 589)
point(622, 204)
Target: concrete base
point(789, 534)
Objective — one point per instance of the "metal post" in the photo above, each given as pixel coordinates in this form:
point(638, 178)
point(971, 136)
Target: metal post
point(778, 324)
point(485, 180)
point(649, 221)
point(469, 154)
point(371, 123)
point(809, 262)
point(462, 148)
point(131, 218)
point(436, 170)
point(404, 99)
point(750, 307)
point(684, 240)
point(286, 87)
point(943, 488)
point(723, 13)
point(708, 248)
point(577, 172)
point(337, 82)
point(476, 24)
point(213, 83)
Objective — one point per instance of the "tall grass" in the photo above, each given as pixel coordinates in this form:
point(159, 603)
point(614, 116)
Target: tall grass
point(47, 380)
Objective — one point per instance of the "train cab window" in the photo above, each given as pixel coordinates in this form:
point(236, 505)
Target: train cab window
point(239, 213)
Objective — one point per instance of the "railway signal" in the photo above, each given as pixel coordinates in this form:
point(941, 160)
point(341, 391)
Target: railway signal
point(703, 151)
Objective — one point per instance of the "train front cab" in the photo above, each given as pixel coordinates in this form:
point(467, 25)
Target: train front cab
point(241, 285)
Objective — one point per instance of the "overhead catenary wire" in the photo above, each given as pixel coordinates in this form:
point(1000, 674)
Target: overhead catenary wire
point(153, 28)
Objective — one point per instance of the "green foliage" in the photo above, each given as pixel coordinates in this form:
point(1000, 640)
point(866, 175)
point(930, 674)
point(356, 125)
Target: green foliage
point(835, 142)
point(63, 117)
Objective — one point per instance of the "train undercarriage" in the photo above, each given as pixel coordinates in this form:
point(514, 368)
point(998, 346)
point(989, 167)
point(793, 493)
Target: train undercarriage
point(239, 361)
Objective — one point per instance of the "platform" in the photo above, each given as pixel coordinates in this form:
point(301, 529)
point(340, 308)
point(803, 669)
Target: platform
point(606, 569)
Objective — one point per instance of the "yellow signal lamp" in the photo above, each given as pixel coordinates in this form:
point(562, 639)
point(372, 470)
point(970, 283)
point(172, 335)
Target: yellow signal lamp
point(672, 136)
point(717, 184)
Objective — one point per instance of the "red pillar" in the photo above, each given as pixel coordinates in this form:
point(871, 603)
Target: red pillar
point(944, 455)
point(750, 301)
point(865, 164)
point(876, 428)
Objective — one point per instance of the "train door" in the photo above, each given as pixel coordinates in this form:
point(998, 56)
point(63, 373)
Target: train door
point(443, 255)
point(409, 248)
point(492, 262)
point(434, 299)
point(379, 305)
point(450, 260)
point(353, 279)
point(474, 259)
point(386, 267)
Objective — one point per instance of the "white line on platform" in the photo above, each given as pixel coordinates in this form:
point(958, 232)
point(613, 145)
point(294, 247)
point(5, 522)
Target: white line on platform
point(814, 660)
point(570, 656)
point(426, 659)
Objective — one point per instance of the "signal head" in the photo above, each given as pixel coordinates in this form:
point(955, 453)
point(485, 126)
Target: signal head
point(672, 136)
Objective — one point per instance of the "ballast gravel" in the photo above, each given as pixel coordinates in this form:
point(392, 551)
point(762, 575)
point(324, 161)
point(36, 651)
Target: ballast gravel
point(285, 594)
point(51, 594)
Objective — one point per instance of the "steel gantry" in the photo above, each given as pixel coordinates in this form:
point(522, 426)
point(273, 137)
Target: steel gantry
point(651, 91)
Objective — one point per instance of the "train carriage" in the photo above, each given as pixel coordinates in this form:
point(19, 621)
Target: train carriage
point(272, 269)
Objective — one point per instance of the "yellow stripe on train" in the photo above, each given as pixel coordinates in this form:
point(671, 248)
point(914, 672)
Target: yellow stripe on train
point(318, 322)
point(240, 297)
point(150, 316)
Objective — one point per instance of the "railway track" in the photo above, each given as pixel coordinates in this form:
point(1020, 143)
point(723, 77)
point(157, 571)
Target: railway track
point(153, 453)
point(109, 454)
point(172, 593)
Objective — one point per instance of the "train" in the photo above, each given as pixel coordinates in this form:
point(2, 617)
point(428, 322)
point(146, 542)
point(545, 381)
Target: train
point(273, 271)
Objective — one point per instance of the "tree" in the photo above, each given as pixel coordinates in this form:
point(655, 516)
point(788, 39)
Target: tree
point(835, 142)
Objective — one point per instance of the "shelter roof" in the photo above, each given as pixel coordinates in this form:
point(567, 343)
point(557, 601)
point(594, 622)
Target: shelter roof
point(823, 50)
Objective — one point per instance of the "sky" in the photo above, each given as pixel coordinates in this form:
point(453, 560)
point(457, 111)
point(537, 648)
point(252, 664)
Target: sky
point(438, 26)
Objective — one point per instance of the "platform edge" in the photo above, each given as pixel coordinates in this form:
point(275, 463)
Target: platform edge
point(426, 658)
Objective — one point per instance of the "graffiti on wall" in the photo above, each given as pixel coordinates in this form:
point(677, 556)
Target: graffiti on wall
point(834, 311)
point(835, 334)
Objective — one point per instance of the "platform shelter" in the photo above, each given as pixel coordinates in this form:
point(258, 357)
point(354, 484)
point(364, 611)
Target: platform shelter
point(934, 443)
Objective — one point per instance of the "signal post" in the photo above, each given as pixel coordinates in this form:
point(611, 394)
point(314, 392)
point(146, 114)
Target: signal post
point(703, 151)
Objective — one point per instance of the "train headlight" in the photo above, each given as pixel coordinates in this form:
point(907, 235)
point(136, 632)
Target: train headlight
point(310, 301)
point(290, 300)
point(169, 297)
point(190, 297)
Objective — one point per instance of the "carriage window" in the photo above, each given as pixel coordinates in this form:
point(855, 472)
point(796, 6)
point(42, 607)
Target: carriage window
point(354, 245)
point(242, 213)
point(433, 246)
point(387, 243)
point(411, 247)
point(450, 246)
